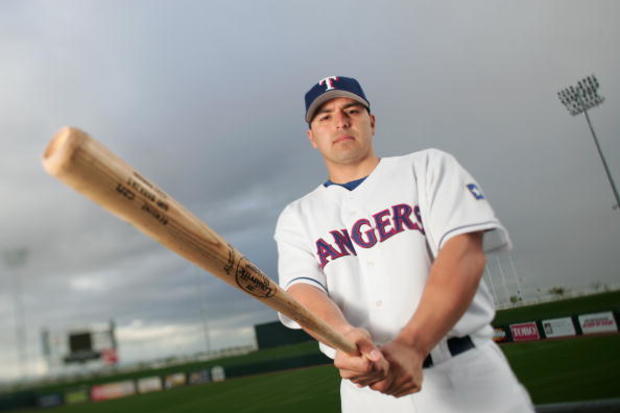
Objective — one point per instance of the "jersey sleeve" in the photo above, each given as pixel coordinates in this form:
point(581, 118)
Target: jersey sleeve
point(452, 203)
point(296, 260)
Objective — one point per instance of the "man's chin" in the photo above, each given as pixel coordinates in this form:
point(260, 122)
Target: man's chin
point(349, 157)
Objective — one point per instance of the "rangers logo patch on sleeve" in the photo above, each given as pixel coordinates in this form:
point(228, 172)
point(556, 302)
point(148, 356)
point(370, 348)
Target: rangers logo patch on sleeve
point(475, 191)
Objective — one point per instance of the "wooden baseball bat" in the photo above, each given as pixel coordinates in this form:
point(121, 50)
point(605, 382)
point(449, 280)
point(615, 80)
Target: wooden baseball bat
point(90, 168)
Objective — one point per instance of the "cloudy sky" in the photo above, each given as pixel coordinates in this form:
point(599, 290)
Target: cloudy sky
point(206, 99)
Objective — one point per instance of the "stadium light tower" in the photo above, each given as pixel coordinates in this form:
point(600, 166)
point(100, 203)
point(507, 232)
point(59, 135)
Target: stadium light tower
point(578, 99)
point(15, 259)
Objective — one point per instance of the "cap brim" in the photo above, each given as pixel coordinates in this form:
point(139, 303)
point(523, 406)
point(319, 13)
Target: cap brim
point(332, 94)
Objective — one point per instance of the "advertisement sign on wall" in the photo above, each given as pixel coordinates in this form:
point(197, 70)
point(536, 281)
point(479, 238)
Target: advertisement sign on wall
point(149, 384)
point(524, 331)
point(50, 400)
point(598, 323)
point(559, 327)
point(500, 335)
point(199, 377)
point(112, 390)
point(217, 373)
point(74, 396)
point(175, 380)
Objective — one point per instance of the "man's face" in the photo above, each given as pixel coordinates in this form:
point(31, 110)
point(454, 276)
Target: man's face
point(342, 131)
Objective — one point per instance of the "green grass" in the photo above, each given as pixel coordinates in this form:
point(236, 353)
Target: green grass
point(306, 390)
point(561, 308)
point(584, 368)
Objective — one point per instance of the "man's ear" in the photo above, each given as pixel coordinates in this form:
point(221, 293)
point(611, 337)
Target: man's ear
point(310, 136)
point(373, 121)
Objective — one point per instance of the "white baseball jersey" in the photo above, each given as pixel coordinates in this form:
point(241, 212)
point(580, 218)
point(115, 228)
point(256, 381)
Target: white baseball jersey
point(371, 249)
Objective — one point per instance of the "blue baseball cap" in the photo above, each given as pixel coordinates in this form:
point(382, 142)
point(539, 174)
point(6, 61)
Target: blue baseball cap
point(333, 87)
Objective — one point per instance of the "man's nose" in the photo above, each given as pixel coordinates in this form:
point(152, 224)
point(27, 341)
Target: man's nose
point(342, 120)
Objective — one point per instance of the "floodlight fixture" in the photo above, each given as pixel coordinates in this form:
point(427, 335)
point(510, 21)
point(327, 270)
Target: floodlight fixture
point(579, 99)
point(582, 97)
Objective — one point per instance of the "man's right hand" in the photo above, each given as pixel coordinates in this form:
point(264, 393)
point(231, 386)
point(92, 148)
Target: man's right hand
point(365, 368)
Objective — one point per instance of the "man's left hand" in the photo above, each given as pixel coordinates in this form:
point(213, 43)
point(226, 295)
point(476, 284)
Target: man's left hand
point(405, 373)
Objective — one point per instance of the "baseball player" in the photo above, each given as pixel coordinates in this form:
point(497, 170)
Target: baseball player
point(390, 252)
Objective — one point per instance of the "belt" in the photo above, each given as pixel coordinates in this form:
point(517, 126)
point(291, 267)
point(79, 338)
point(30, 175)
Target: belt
point(456, 345)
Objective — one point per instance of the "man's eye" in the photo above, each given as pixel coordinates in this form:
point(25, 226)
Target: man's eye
point(325, 117)
point(354, 111)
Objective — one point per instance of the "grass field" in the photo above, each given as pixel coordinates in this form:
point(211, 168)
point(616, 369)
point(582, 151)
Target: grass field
point(553, 371)
point(584, 368)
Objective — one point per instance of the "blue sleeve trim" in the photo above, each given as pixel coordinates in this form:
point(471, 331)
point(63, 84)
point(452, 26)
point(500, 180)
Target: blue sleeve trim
point(464, 226)
point(308, 279)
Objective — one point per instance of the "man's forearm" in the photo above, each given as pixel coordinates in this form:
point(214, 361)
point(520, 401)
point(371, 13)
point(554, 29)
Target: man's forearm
point(366, 367)
point(317, 302)
point(451, 286)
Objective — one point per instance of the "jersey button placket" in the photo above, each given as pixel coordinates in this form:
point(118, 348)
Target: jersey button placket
point(374, 279)
point(366, 256)
point(347, 213)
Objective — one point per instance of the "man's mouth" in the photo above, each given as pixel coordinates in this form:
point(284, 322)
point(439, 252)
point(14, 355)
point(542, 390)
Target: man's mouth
point(343, 139)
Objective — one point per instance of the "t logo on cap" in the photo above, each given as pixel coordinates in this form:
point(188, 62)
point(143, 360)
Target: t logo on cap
point(328, 81)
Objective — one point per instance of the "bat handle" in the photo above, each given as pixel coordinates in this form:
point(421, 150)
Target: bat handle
point(343, 344)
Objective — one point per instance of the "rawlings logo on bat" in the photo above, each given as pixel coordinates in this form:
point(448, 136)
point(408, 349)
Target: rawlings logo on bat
point(251, 279)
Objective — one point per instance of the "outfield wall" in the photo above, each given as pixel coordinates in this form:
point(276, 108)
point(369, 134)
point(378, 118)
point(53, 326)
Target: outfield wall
point(274, 334)
point(603, 322)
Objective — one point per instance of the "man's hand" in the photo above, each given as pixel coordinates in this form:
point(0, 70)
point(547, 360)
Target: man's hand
point(364, 368)
point(405, 373)
point(450, 288)
point(368, 366)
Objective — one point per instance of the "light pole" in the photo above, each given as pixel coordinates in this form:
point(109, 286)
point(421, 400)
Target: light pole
point(17, 258)
point(580, 98)
point(203, 313)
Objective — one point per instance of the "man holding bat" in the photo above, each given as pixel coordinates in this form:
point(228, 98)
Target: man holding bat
point(390, 252)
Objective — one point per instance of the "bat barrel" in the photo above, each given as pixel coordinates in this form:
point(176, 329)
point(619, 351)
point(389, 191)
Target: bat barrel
point(91, 169)
point(60, 150)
